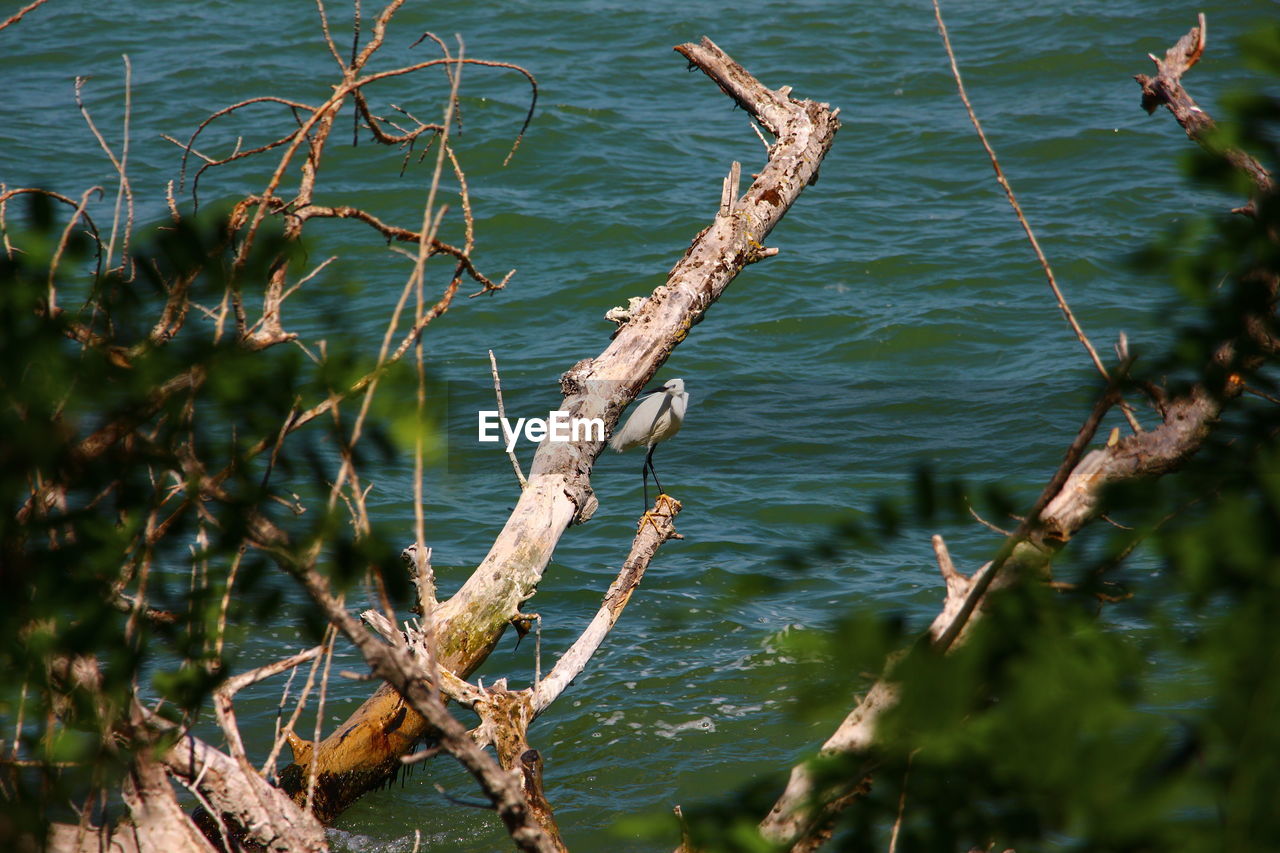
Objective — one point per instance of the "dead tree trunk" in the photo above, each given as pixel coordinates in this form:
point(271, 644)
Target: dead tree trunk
point(366, 749)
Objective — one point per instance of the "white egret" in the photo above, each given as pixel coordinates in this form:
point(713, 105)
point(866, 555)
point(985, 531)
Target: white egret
point(658, 417)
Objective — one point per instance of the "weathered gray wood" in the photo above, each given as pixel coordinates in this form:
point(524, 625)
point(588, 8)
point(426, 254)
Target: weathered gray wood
point(798, 812)
point(413, 678)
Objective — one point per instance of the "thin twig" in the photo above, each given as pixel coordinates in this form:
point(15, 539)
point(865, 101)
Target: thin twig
point(355, 47)
point(125, 190)
point(1022, 219)
point(226, 602)
point(187, 149)
point(17, 726)
point(239, 682)
point(982, 581)
point(119, 163)
point(464, 196)
point(312, 770)
point(984, 522)
point(502, 415)
point(1109, 520)
point(417, 281)
point(390, 232)
point(902, 804)
point(320, 113)
point(328, 38)
point(458, 801)
point(18, 15)
point(352, 675)
point(78, 206)
point(52, 306)
point(282, 734)
point(1249, 389)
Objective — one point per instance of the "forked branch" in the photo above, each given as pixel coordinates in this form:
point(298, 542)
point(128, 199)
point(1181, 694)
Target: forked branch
point(1166, 89)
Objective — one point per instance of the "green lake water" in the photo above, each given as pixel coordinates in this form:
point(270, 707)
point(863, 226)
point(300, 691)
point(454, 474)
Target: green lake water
point(905, 321)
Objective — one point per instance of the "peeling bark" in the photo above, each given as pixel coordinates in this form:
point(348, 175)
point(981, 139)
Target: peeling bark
point(656, 527)
point(507, 716)
point(246, 810)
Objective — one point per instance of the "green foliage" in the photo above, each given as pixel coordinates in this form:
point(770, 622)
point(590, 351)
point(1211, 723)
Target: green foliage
point(109, 433)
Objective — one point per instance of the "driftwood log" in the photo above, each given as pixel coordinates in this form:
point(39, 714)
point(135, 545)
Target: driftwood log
point(365, 750)
point(800, 819)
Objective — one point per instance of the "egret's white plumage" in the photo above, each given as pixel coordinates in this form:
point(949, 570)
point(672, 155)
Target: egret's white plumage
point(658, 417)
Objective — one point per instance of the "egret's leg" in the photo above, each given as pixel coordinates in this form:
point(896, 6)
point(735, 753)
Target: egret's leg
point(649, 462)
point(644, 473)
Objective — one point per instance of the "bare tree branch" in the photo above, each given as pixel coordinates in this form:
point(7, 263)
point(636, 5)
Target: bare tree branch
point(559, 493)
point(394, 664)
point(1166, 89)
point(1022, 219)
point(21, 13)
point(656, 527)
